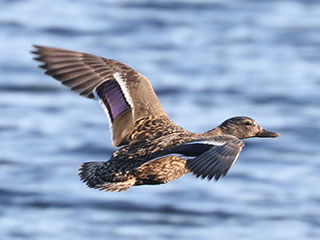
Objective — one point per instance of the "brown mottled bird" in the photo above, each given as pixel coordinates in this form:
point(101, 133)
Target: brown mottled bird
point(153, 149)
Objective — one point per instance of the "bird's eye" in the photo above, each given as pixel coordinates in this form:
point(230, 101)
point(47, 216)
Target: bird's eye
point(248, 123)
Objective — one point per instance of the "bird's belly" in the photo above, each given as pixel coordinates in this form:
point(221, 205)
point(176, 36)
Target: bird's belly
point(161, 170)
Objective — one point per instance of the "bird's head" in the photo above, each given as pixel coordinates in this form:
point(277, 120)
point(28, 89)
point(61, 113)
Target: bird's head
point(245, 127)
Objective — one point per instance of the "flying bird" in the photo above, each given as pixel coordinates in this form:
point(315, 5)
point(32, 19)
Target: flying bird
point(152, 149)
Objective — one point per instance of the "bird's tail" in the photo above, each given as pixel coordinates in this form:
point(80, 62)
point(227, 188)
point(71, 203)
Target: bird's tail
point(99, 175)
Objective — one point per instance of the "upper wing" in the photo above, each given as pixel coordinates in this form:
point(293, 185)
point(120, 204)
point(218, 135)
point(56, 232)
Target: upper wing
point(125, 94)
point(212, 157)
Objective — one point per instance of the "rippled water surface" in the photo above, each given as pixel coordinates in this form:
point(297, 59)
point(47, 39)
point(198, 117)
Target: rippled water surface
point(208, 61)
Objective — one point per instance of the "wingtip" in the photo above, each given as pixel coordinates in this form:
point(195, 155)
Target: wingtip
point(36, 51)
point(37, 58)
point(36, 46)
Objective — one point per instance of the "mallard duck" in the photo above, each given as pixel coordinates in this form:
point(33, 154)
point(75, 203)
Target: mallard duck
point(152, 148)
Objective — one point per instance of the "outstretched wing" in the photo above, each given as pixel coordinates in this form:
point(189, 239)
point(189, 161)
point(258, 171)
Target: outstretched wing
point(211, 157)
point(125, 94)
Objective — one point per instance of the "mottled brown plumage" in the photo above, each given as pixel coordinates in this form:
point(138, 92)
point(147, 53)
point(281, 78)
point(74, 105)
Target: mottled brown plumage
point(154, 149)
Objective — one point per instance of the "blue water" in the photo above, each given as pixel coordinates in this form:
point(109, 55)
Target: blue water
point(208, 61)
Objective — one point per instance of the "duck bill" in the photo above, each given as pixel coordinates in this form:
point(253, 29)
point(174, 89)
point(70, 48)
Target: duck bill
point(266, 133)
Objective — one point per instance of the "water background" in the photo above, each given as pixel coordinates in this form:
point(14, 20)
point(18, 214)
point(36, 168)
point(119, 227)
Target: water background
point(208, 61)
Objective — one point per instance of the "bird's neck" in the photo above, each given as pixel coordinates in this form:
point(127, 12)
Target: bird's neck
point(214, 132)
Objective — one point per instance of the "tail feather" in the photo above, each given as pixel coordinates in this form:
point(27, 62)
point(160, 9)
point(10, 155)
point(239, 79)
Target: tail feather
point(98, 175)
point(88, 173)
